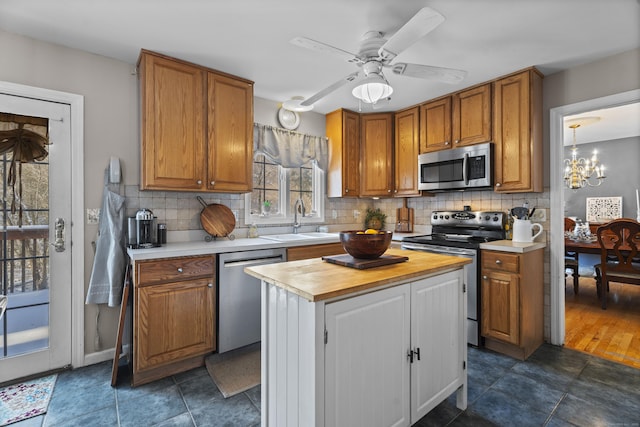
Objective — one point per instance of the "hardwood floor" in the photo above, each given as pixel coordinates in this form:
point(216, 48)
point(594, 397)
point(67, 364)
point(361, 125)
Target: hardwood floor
point(612, 334)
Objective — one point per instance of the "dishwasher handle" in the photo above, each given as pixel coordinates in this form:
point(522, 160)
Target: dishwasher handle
point(248, 262)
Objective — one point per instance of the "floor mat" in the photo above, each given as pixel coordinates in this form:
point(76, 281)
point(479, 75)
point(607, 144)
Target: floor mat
point(25, 400)
point(236, 373)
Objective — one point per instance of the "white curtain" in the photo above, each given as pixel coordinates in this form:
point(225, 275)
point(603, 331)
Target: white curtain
point(290, 149)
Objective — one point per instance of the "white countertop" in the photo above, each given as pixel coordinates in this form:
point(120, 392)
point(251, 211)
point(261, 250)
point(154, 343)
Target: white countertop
point(221, 245)
point(511, 246)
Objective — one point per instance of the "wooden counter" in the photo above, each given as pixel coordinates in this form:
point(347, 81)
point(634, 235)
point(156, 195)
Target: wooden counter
point(317, 280)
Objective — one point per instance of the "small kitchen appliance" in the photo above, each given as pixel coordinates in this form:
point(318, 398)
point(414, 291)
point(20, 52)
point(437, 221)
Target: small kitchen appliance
point(460, 233)
point(142, 230)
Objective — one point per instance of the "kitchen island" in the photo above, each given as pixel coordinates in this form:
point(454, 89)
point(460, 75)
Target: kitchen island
point(373, 347)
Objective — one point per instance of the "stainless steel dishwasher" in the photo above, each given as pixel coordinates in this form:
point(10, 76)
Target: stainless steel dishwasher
point(239, 296)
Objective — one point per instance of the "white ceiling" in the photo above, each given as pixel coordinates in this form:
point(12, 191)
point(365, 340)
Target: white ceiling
point(250, 38)
point(604, 125)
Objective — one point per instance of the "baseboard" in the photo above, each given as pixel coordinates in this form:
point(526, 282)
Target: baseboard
point(97, 357)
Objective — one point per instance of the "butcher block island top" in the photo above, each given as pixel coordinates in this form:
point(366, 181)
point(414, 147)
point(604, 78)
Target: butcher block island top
point(317, 280)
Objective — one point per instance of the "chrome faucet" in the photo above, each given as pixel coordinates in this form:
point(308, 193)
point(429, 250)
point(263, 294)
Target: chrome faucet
point(296, 224)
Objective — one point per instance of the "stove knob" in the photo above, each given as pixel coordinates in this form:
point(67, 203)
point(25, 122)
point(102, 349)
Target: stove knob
point(495, 218)
point(487, 218)
point(435, 217)
point(446, 217)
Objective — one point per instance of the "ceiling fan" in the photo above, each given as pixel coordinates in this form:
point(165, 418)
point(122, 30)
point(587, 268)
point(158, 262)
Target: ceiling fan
point(376, 53)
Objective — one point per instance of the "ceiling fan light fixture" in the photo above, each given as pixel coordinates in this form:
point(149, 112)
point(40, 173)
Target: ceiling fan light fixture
point(295, 104)
point(373, 88)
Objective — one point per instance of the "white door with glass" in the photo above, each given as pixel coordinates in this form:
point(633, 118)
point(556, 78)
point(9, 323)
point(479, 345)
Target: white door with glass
point(35, 257)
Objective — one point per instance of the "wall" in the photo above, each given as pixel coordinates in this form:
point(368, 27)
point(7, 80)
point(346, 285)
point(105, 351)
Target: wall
point(620, 158)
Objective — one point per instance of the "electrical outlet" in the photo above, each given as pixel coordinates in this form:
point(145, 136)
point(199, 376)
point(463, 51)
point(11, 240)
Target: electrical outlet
point(540, 215)
point(334, 214)
point(235, 213)
point(356, 214)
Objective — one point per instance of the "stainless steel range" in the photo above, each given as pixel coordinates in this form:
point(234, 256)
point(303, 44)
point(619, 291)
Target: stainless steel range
point(460, 233)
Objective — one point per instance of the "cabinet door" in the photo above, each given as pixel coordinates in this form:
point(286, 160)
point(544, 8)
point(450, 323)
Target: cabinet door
point(517, 133)
point(500, 306)
point(175, 321)
point(437, 331)
point(376, 155)
point(435, 125)
point(343, 131)
point(173, 127)
point(472, 116)
point(406, 153)
point(230, 134)
point(367, 371)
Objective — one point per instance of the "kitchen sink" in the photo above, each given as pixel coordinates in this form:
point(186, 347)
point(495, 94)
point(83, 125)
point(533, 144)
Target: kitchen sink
point(285, 237)
point(318, 234)
point(301, 236)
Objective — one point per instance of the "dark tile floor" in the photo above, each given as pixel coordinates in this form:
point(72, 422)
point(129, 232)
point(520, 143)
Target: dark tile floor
point(554, 387)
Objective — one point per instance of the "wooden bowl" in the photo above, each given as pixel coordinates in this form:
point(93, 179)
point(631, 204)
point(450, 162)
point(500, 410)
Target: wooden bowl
point(365, 246)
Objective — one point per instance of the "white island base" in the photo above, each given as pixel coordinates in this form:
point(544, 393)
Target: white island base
point(377, 357)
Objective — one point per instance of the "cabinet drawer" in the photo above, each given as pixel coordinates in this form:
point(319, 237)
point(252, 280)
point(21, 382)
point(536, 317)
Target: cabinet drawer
point(173, 269)
point(314, 251)
point(501, 261)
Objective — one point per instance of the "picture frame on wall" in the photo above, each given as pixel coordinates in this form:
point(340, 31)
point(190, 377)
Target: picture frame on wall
point(603, 209)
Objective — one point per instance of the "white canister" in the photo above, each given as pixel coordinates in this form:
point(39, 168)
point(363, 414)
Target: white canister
point(523, 230)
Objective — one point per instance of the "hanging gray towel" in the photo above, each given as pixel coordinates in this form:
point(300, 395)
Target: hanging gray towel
point(107, 276)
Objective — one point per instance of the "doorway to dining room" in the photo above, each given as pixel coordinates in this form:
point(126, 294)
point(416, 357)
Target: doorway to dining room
point(579, 322)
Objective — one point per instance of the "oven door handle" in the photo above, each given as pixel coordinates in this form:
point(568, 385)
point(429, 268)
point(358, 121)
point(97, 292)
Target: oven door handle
point(465, 169)
point(439, 249)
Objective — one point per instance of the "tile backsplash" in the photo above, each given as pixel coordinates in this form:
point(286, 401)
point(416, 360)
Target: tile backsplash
point(181, 210)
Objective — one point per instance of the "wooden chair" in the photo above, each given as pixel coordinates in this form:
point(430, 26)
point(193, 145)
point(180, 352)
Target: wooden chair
point(619, 256)
point(571, 258)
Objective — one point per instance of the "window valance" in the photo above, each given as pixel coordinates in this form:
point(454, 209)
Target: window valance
point(290, 149)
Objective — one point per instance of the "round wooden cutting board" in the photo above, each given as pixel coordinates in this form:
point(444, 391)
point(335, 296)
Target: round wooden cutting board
point(217, 220)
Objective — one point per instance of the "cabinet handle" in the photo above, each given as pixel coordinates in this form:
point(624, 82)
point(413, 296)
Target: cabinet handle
point(179, 269)
point(446, 143)
point(213, 183)
point(498, 261)
point(418, 352)
point(457, 141)
point(484, 277)
point(388, 191)
point(395, 191)
point(346, 190)
point(498, 184)
point(210, 285)
point(199, 182)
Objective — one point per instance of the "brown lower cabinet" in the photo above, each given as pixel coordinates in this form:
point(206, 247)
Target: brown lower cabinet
point(314, 251)
point(174, 317)
point(512, 301)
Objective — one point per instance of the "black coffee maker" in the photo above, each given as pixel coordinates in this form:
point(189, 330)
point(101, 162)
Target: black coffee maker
point(143, 230)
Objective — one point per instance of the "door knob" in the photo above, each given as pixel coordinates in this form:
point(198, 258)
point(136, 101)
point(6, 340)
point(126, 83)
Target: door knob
point(58, 242)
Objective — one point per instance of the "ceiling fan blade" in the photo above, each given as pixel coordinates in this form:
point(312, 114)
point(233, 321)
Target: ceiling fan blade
point(446, 75)
point(422, 23)
point(326, 91)
point(323, 47)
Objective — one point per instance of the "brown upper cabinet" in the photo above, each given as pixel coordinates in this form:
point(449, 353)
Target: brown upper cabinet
point(435, 125)
point(406, 152)
point(463, 118)
point(343, 131)
point(471, 123)
point(376, 155)
point(197, 127)
point(517, 129)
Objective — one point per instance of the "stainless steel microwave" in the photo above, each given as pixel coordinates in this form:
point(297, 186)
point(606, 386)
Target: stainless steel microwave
point(464, 168)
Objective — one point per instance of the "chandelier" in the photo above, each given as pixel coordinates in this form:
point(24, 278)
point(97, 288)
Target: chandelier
point(579, 171)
